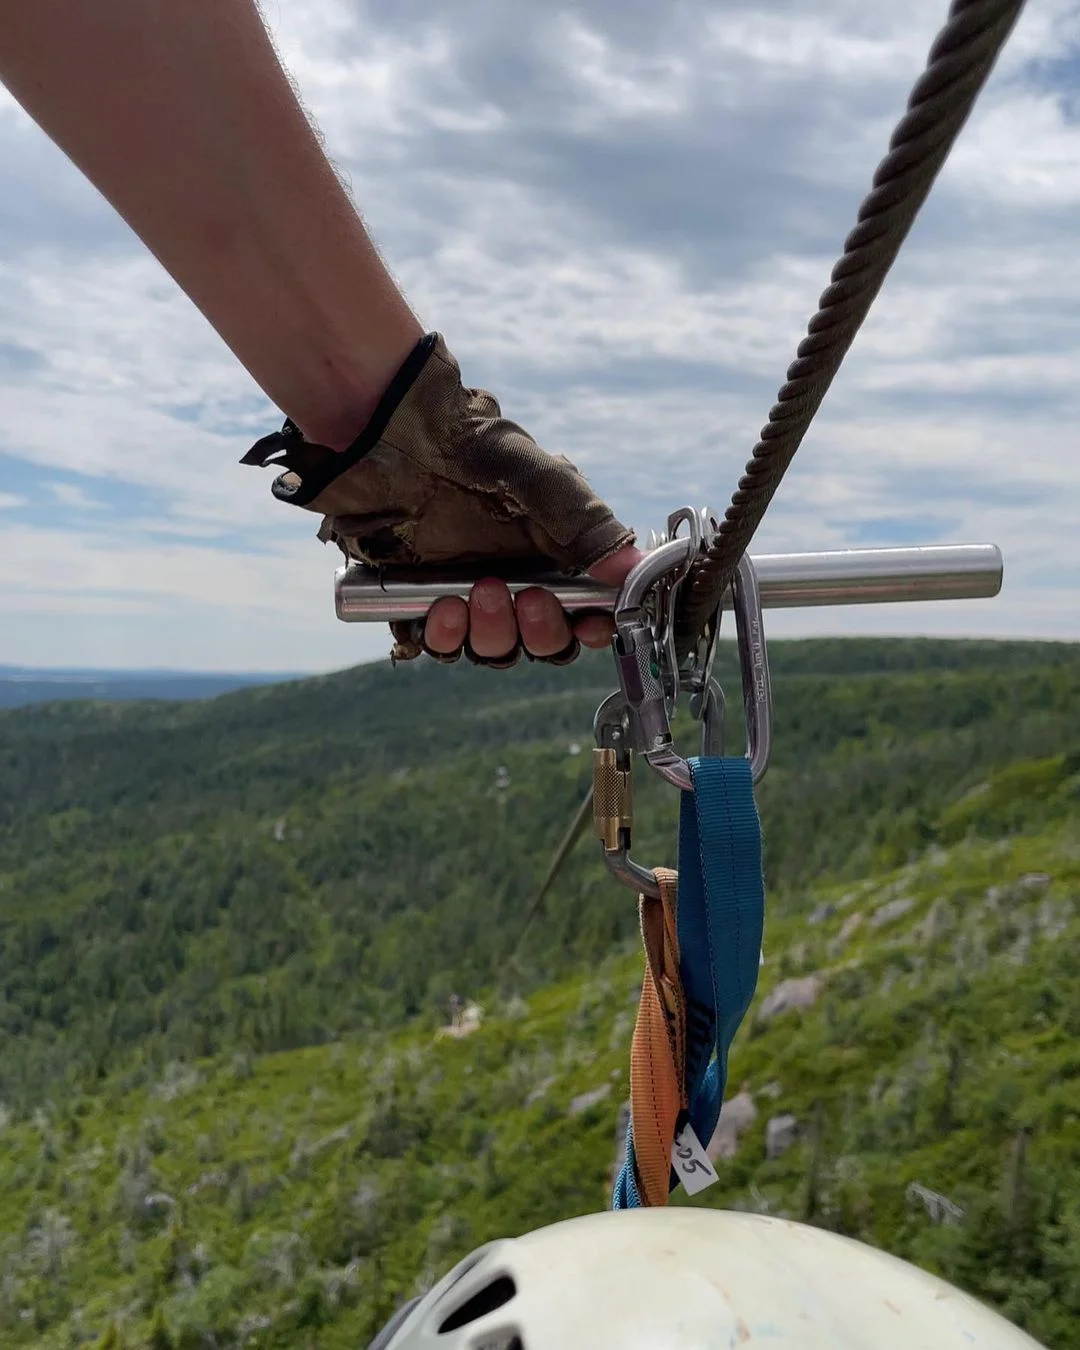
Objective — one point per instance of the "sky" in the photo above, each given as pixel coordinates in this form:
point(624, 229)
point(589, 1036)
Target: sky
point(621, 216)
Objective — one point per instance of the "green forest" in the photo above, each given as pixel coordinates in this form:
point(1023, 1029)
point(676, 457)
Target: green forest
point(230, 931)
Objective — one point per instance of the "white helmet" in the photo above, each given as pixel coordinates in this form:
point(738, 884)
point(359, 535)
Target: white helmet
point(692, 1279)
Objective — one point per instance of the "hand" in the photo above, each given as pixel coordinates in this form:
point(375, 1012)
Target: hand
point(492, 619)
point(439, 477)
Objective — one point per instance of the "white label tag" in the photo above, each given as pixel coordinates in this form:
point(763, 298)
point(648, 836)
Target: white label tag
point(691, 1162)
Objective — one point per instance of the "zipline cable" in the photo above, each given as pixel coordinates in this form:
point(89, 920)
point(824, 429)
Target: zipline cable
point(959, 63)
point(958, 66)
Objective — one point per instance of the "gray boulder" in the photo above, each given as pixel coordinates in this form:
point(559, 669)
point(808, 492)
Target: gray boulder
point(798, 993)
point(890, 912)
point(780, 1133)
point(737, 1114)
point(586, 1099)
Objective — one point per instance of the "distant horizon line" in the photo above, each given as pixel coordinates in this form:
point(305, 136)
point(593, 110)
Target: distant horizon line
point(12, 671)
point(148, 672)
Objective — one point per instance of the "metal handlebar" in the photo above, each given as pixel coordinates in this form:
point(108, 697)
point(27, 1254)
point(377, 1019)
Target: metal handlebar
point(859, 576)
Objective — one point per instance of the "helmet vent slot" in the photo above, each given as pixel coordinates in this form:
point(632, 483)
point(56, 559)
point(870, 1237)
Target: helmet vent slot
point(484, 1301)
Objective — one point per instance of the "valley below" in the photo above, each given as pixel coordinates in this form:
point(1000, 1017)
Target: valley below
point(278, 1046)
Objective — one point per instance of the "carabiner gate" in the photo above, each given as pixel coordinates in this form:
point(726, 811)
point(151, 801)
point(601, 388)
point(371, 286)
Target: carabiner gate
point(643, 678)
point(638, 716)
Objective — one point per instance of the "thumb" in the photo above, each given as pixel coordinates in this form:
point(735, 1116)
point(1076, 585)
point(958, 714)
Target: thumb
point(613, 570)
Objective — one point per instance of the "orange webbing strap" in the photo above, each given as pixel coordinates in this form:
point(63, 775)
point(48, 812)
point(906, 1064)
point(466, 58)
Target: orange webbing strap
point(657, 1055)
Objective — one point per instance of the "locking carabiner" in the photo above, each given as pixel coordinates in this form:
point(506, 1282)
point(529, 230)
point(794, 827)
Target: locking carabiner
point(613, 784)
point(613, 795)
point(644, 680)
point(638, 717)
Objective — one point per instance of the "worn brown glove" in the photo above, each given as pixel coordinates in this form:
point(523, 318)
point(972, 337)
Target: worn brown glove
point(439, 477)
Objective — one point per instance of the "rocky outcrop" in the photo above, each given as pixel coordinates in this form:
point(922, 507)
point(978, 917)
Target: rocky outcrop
point(780, 1133)
point(737, 1114)
point(789, 994)
point(462, 1023)
point(847, 931)
point(1034, 881)
point(582, 1103)
point(540, 1090)
point(891, 911)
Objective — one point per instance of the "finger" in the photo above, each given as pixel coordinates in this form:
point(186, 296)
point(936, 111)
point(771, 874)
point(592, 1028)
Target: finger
point(594, 631)
point(540, 617)
point(493, 627)
point(446, 625)
point(613, 571)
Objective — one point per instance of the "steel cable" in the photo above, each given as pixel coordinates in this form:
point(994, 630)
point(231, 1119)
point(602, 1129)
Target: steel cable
point(960, 60)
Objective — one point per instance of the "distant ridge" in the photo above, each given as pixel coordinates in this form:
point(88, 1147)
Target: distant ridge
point(22, 685)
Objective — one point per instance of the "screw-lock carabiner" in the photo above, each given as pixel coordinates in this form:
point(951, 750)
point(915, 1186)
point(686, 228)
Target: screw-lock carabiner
point(613, 784)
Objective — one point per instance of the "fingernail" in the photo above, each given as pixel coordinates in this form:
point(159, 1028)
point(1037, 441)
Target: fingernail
point(447, 619)
point(533, 608)
point(488, 597)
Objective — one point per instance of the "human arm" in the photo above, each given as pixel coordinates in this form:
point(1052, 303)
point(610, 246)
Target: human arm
point(184, 119)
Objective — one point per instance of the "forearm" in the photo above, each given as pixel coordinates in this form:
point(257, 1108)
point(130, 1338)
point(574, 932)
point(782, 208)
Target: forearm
point(181, 116)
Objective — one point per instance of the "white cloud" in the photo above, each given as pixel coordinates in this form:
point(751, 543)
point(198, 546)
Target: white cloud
point(622, 227)
point(73, 496)
point(1024, 153)
point(788, 44)
point(619, 85)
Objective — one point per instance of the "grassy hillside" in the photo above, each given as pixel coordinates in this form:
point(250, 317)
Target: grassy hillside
point(292, 1199)
point(228, 931)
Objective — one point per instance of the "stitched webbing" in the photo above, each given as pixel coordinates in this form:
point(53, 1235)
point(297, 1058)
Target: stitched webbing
point(719, 921)
point(658, 1050)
